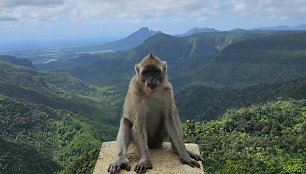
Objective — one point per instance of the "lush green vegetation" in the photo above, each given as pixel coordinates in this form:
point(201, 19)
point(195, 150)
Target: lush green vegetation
point(60, 91)
point(22, 158)
point(265, 138)
point(199, 102)
point(44, 120)
point(243, 90)
point(270, 59)
point(58, 138)
point(210, 58)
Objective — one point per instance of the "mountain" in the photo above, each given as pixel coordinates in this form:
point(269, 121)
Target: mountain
point(82, 59)
point(129, 42)
point(197, 30)
point(134, 39)
point(195, 58)
point(283, 27)
point(175, 50)
point(62, 54)
point(270, 59)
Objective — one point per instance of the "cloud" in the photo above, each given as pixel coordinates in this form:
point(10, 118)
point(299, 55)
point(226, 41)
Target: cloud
point(141, 10)
point(17, 3)
point(7, 18)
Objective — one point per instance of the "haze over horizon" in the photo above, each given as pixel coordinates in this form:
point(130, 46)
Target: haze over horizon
point(99, 20)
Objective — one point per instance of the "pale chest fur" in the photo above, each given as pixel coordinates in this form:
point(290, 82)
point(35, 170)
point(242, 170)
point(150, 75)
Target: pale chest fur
point(155, 112)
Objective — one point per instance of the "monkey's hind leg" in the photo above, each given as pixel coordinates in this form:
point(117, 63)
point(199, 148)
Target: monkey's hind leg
point(123, 140)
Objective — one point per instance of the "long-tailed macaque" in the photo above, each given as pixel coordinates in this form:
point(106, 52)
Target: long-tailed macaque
point(149, 118)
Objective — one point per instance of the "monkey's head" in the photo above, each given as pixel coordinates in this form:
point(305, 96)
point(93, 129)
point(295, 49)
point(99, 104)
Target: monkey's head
point(152, 71)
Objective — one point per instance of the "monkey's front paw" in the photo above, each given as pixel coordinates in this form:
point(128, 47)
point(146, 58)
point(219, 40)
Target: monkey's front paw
point(142, 166)
point(188, 160)
point(195, 156)
point(115, 167)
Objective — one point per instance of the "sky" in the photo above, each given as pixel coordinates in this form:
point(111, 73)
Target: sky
point(24, 21)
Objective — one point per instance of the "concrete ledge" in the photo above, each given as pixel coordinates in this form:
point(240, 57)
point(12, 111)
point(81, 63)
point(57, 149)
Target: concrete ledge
point(164, 160)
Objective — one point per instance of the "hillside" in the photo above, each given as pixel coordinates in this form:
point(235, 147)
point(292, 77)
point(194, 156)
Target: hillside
point(265, 138)
point(17, 61)
point(66, 137)
point(201, 102)
point(59, 91)
point(50, 121)
point(260, 60)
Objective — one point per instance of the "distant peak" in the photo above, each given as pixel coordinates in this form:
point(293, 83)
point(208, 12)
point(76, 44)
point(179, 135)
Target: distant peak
point(147, 29)
point(198, 30)
point(144, 31)
point(144, 28)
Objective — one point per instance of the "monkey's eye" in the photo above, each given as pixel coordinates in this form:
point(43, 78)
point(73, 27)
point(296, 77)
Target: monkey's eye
point(145, 73)
point(156, 73)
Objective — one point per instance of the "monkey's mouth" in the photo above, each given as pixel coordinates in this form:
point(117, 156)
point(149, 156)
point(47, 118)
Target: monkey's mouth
point(151, 86)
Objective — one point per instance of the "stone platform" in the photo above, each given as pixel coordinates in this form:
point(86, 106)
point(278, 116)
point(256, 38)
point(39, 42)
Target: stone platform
point(164, 160)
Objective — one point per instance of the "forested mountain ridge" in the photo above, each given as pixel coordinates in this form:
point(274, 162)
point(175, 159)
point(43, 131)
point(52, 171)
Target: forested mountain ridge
point(17, 61)
point(203, 57)
point(270, 59)
point(197, 30)
point(58, 90)
point(201, 102)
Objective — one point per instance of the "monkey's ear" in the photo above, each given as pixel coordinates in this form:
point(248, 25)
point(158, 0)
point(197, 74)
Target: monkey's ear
point(137, 69)
point(165, 66)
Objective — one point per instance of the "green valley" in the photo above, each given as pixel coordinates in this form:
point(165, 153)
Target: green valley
point(49, 120)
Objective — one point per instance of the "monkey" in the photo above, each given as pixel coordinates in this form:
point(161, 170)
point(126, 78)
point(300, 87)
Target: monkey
point(149, 118)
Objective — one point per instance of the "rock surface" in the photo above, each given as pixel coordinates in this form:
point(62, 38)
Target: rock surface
point(164, 160)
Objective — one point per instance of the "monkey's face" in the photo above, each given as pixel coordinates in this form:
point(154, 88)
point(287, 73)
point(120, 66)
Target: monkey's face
point(151, 71)
point(151, 77)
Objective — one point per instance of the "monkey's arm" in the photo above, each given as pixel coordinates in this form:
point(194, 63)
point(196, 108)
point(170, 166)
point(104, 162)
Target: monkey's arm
point(140, 139)
point(123, 140)
point(174, 129)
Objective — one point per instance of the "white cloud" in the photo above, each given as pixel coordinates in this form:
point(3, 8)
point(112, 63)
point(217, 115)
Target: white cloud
point(240, 7)
point(7, 18)
point(41, 3)
point(138, 10)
